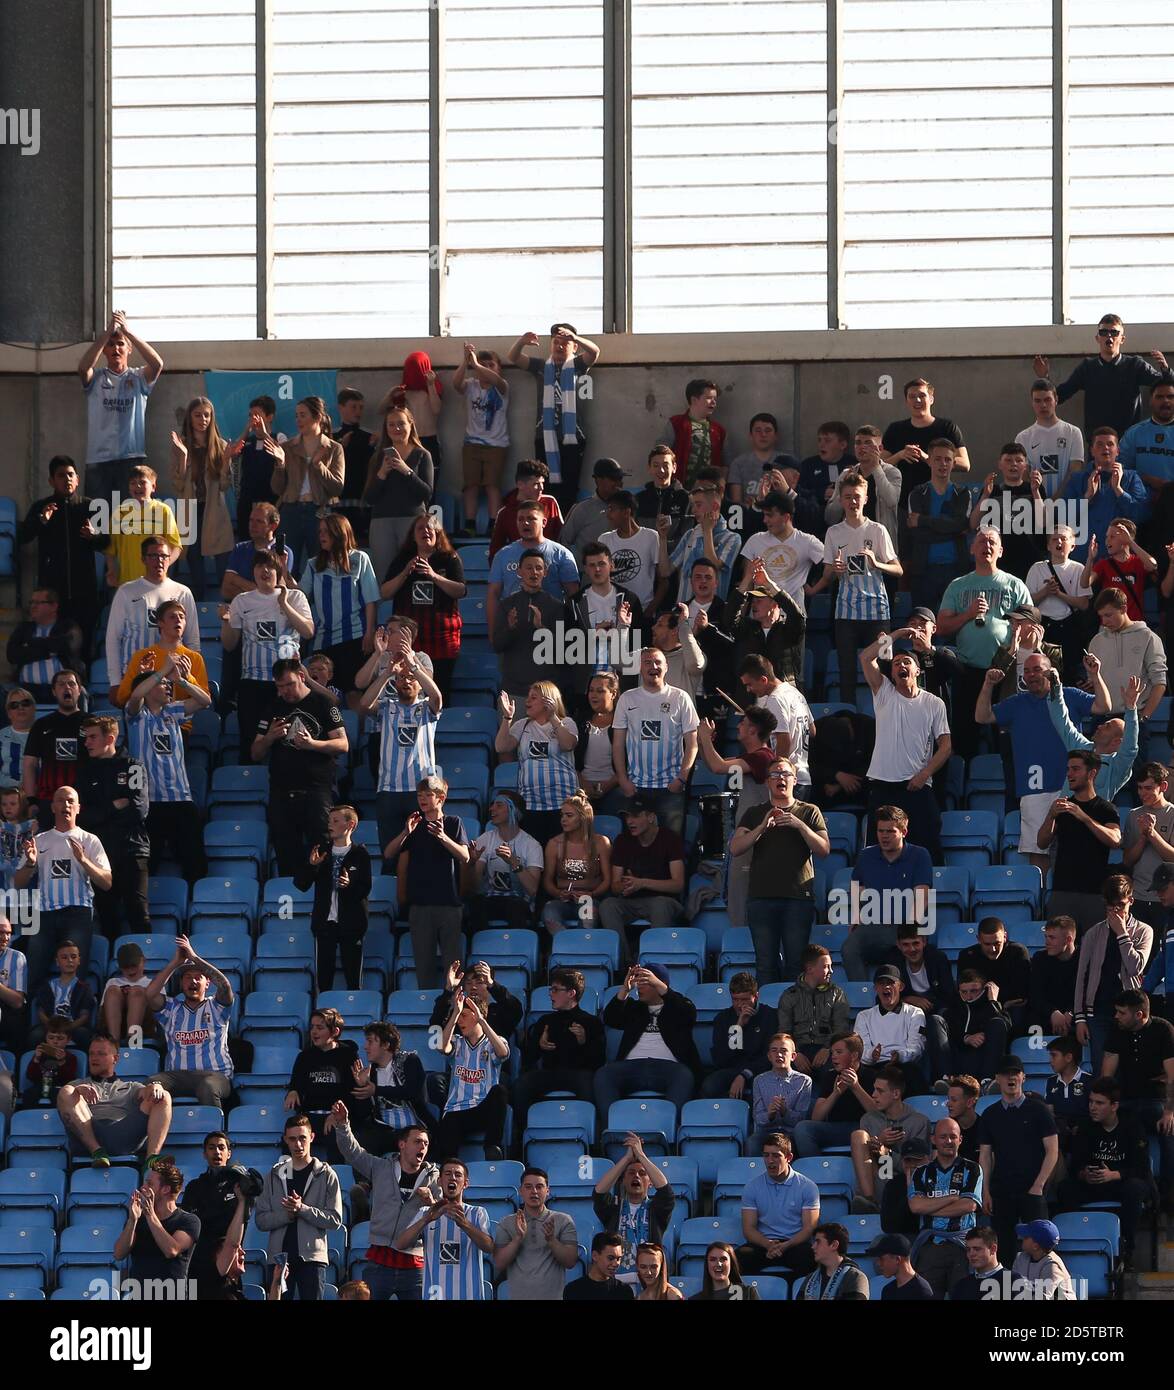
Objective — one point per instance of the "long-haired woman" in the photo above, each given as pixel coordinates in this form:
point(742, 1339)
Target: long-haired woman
point(597, 774)
point(400, 480)
point(427, 581)
point(578, 865)
point(722, 1280)
point(201, 472)
point(343, 594)
point(544, 745)
point(308, 477)
point(652, 1271)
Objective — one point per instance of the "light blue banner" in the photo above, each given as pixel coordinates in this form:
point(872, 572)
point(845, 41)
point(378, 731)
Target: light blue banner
point(231, 392)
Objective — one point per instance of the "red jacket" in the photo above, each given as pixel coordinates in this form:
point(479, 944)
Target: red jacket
point(682, 428)
point(505, 528)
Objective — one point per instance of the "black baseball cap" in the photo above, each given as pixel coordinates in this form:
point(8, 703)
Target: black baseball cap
point(608, 468)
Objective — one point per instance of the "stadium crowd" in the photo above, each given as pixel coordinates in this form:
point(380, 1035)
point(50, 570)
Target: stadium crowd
point(453, 890)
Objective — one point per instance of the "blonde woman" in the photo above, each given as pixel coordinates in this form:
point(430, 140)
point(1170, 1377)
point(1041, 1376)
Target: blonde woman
point(307, 478)
point(544, 745)
point(578, 865)
point(201, 472)
point(399, 486)
point(652, 1272)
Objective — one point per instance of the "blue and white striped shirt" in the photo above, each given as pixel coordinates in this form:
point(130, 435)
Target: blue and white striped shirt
point(454, 1268)
point(132, 627)
point(267, 634)
point(656, 722)
point(475, 1072)
point(14, 970)
point(861, 597)
point(12, 742)
point(690, 548)
point(40, 672)
point(197, 1039)
point(338, 600)
point(61, 879)
point(156, 741)
point(407, 747)
point(546, 772)
point(13, 834)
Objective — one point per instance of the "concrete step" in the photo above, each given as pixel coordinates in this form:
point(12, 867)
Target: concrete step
point(1155, 1287)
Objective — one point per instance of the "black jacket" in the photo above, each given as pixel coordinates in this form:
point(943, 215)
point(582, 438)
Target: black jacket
point(937, 966)
point(1011, 972)
point(64, 641)
point(716, 640)
point(568, 1055)
point(842, 742)
point(352, 900)
point(750, 1059)
point(102, 781)
point(65, 558)
point(672, 501)
point(578, 676)
point(951, 524)
point(962, 1019)
point(780, 645)
point(677, 1017)
point(320, 1078)
point(661, 1201)
point(1052, 987)
point(504, 1013)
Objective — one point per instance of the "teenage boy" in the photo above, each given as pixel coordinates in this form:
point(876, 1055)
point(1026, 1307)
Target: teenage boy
point(113, 789)
point(133, 621)
point(64, 995)
point(530, 479)
point(518, 622)
point(299, 1204)
point(559, 436)
point(780, 557)
point(116, 405)
point(634, 549)
point(341, 878)
point(357, 444)
point(1055, 449)
point(66, 540)
point(590, 517)
point(1112, 381)
point(745, 477)
point(697, 440)
point(141, 515)
point(1059, 590)
point(1126, 649)
point(1107, 490)
point(1018, 1149)
point(906, 443)
point(663, 494)
point(820, 472)
point(486, 446)
point(1009, 498)
point(708, 537)
point(560, 575)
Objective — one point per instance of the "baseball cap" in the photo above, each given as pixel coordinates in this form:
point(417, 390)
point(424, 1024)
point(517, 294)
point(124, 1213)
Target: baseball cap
point(889, 1245)
point(1009, 1066)
point(1045, 1233)
point(608, 468)
point(1162, 877)
point(1027, 611)
point(638, 803)
point(927, 613)
point(885, 972)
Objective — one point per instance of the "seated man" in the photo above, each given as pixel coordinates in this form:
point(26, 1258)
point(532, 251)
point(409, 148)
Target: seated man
point(895, 877)
point(599, 1284)
point(634, 1201)
point(891, 1254)
point(892, 1032)
point(780, 1211)
point(836, 1277)
point(987, 1278)
point(657, 1050)
point(1109, 1161)
point(1052, 982)
point(882, 1132)
point(946, 1195)
point(648, 873)
point(195, 1027)
point(563, 1049)
point(1003, 964)
point(105, 1115)
point(741, 1035)
point(977, 1030)
point(927, 983)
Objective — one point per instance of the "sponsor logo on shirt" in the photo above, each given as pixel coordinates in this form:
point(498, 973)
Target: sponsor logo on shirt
point(61, 868)
point(450, 1252)
point(266, 630)
point(471, 1076)
point(406, 735)
point(161, 743)
point(540, 748)
point(650, 730)
point(193, 1037)
point(66, 750)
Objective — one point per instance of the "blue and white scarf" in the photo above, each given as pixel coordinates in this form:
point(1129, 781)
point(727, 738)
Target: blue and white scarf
point(550, 440)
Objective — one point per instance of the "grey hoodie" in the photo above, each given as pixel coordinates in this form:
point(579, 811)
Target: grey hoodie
point(390, 1212)
point(321, 1209)
point(1134, 651)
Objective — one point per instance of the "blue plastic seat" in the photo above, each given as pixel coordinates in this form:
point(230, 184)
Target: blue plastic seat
point(230, 949)
point(235, 786)
point(357, 1006)
point(105, 1188)
point(970, 839)
point(861, 994)
point(698, 1233)
point(495, 1181)
point(30, 1131)
point(732, 1176)
point(229, 844)
point(712, 1131)
point(586, 947)
point(836, 1180)
point(932, 1107)
point(255, 1124)
point(709, 1000)
point(222, 903)
point(271, 1015)
point(27, 1248)
point(32, 1187)
point(284, 905)
point(157, 948)
point(558, 1129)
point(1006, 887)
point(953, 938)
point(465, 726)
point(507, 948)
point(655, 1121)
point(674, 946)
point(169, 904)
point(862, 1231)
point(88, 1246)
point(951, 887)
point(284, 961)
point(737, 953)
point(411, 1007)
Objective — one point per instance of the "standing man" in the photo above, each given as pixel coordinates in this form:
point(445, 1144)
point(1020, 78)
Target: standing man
point(1139, 1053)
point(1054, 447)
point(560, 437)
point(133, 624)
point(892, 864)
point(300, 1202)
point(589, 518)
point(534, 1247)
point(1112, 381)
point(934, 540)
point(1018, 1149)
point(1113, 956)
point(1146, 447)
point(946, 1195)
point(907, 442)
point(654, 741)
point(54, 748)
point(113, 789)
point(116, 406)
point(456, 1241)
point(1149, 841)
point(66, 542)
point(158, 1236)
point(1086, 829)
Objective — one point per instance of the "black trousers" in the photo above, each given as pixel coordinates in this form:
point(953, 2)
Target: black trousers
point(297, 820)
point(455, 1126)
point(253, 698)
point(1009, 1210)
point(177, 825)
point(1130, 1192)
point(798, 1259)
point(348, 941)
point(128, 891)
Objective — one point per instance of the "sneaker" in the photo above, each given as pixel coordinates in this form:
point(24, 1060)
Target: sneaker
point(100, 1158)
point(941, 1087)
point(864, 1206)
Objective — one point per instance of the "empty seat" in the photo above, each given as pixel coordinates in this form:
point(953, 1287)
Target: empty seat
point(698, 1233)
point(655, 1121)
point(712, 1131)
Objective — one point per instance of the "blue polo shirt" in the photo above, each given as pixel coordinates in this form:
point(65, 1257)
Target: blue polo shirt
point(1041, 760)
point(240, 561)
point(780, 1204)
point(912, 868)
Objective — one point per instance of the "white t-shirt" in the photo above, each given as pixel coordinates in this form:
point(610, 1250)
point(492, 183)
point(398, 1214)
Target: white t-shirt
point(655, 722)
point(793, 716)
point(500, 881)
point(633, 561)
point(787, 561)
point(597, 761)
point(121, 982)
point(1069, 574)
point(1053, 449)
point(651, 1046)
point(907, 732)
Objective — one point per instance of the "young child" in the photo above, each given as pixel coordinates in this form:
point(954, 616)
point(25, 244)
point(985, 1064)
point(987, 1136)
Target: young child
point(697, 440)
point(1124, 567)
point(341, 878)
point(65, 995)
point(320, 676)
point(124, 1000)
point(487, 432)
point(139, 516)
point(16, 826)
point(1066, 1092)
point(781, 1097)
point(21, 709)
point(52, 1066)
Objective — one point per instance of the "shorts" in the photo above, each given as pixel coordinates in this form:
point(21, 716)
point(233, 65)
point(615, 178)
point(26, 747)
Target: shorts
point(483, 464)
point(1033, 811)
point(124, 1134)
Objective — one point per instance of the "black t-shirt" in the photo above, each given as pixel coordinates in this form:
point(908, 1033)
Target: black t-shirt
point(903, 432)
point(297, 1181)
point(846, 1109)
point(56, 740)
point(146, 1259)
point(1017, 1137)
point(420, 596)
point(1010, 970)
point(434, 878)
point(587, 1290)
point(1140, 1058)
point(290, 768)
point(915, 1291)
point(1082, 861)
point(357, 455)
point(1109, 985)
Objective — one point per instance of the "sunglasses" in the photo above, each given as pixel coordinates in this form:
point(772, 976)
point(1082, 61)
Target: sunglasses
point(1108, 332)
point(20, 704)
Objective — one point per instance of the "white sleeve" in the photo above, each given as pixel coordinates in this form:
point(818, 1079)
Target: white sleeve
point(114, 637)
point(191, 632)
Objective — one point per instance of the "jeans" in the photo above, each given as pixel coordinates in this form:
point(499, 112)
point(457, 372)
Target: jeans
point(615, 914)
point(1149, 1112)
point(74, 924)
point(299, 521)
point(404, 1285)
point(307, 1282)
point(1131, 1193)
point(434, 927)
point(298, 820)
point(618, 1080)
point(866, 948)
point(779, 923)
point(851, 636)
point(813, 1136)
point(128, 891)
